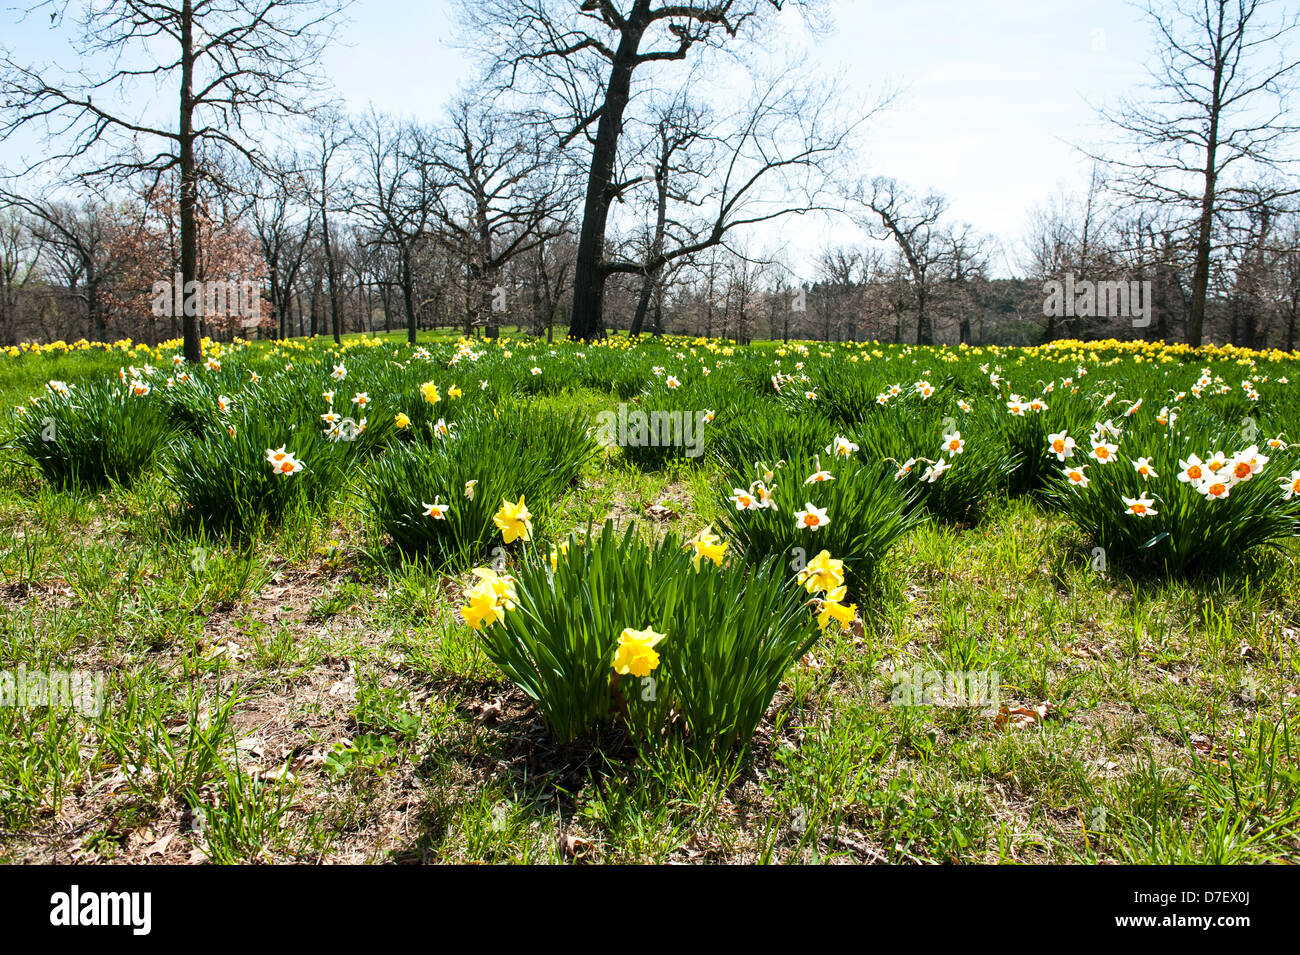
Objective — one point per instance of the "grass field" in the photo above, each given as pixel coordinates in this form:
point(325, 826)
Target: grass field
point(288, 675)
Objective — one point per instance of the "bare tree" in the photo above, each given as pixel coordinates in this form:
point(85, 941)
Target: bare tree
point(284, 229)
point(912, 223)
point(226, 61)
point(678, 126)
point(1218, 107)
point(77, 240)
point(1288, 279)
point(966, 256)
point(583, 56)
point(20, 254)
point(330, 138)
point(398, 196)
point(769, 159)
point(504, 197)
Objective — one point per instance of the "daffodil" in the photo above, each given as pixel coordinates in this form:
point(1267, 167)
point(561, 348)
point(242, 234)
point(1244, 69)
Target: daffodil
point(841, 447)
point(812, 518)
point(743, 500)
point(935, 471)
point(1215, 488)
point(1060, 444)
point(1246, 464)
point(514, 521)
point(823, 573)
point(636, 654)
point(1139, 506)
point(500, 586)
point(437, 510)
point(401, 421)
point(1144, 468)
point(1102, 452)
point(833, 607)
point(481, 610)
point(706, 544)
point(1290, 486)
point(562, 548)
point(283, 462)
point(1191, 471)
point(429, 392)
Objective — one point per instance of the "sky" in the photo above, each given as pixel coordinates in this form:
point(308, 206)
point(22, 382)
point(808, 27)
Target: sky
point(996, 98)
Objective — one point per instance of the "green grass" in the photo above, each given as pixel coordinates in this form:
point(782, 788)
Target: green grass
point(309, 694)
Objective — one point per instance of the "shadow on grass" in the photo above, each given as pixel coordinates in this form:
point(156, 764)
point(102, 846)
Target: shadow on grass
point(507, 747)
point(1256, 571)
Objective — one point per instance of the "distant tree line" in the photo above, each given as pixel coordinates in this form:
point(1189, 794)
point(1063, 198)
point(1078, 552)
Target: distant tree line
point(591, 181)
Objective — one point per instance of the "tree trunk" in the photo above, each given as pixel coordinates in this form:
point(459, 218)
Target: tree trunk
point(1201, 276)
point(587, 320)
point(193, 348)
point(408, 298)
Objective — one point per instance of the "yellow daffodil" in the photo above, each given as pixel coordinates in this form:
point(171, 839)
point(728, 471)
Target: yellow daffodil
point(706, 544)
point(489, 599)
point(636, 655)
point(514, 521)
point(833, 607)
point(823, 573)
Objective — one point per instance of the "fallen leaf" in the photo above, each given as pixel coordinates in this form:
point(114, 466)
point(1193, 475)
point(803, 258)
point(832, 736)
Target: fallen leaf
point(159, 847)
point(575, 847)
point(657, 512)
point(1018, 717)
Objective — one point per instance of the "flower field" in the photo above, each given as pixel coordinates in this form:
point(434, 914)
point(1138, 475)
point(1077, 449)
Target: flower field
point(657, 600)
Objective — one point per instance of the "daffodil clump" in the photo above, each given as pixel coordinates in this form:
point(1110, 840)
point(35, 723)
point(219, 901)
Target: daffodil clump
point(94, 434)
point(483, 484)
point(612, 630)
point(1165, 496)
point(832, 500)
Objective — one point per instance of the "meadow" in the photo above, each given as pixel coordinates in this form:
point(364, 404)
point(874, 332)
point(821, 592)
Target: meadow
point(662, 600)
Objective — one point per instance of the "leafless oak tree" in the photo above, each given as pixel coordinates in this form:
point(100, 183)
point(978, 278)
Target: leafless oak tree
point(581, 56)
point(1218, 107)
point(226, 62)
